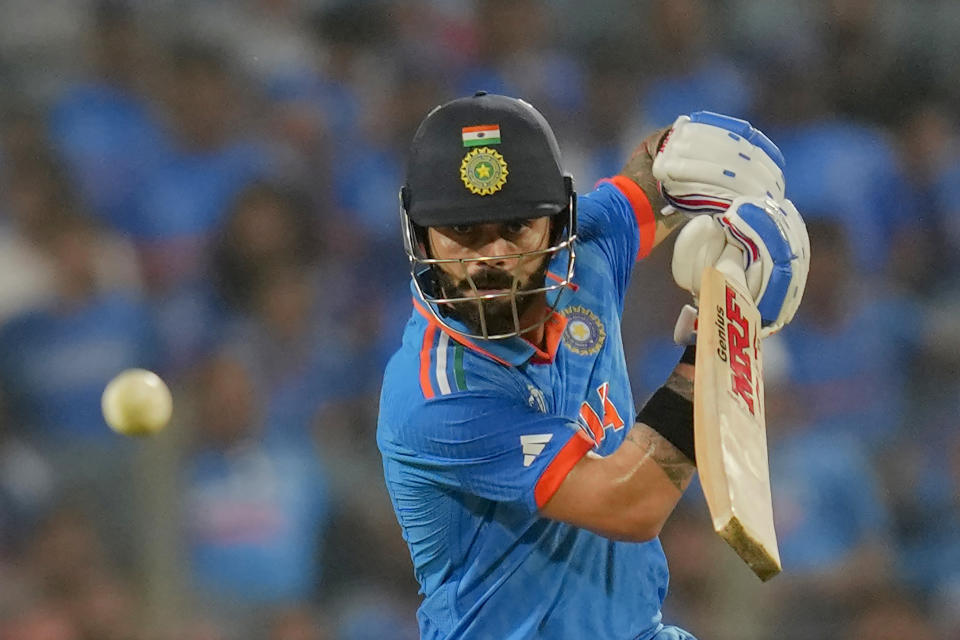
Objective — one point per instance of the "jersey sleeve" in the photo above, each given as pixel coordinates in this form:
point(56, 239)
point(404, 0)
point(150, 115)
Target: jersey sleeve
point(490, 446)
point(618, 217)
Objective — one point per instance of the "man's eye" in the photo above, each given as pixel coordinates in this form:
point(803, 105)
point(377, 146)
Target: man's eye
point(462, 229)
point(516, 226)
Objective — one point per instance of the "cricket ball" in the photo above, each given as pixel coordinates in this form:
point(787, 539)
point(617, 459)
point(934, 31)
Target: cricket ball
point(137, 402)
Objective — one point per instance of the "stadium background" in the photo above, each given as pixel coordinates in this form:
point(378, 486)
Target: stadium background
point(208, 188)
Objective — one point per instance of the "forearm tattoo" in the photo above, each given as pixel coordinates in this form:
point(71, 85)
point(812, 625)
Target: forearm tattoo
point(678, 469)
point(681, 385)
point(639, 168)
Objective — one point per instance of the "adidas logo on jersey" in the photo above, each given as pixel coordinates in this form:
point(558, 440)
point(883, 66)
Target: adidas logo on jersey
point(533, 446)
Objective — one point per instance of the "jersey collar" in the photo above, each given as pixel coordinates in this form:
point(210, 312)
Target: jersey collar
point(512, 352)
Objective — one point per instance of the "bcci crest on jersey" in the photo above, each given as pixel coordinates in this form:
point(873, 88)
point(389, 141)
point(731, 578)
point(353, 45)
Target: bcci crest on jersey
point(584, 334)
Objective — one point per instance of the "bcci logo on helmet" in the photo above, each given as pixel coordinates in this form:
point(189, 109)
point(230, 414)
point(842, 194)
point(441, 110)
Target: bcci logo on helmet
point(584, 333)
point(483, 171)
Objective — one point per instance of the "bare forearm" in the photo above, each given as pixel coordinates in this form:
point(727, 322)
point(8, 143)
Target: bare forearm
point(639, 168)
point(629, 494)
point(638, 487)
point(660, 469)
point(676, 466)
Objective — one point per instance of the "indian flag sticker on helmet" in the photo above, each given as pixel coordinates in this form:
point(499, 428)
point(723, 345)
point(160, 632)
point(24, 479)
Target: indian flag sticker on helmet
point(481, 134)
point(483, 171)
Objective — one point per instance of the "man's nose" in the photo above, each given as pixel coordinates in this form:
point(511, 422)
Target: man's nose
point(494, 250)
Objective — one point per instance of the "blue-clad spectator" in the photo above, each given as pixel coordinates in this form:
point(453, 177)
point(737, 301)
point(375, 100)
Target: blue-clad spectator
point(27, 489)
point(297, 320)
point(183, 201)
point(104, 126)
point(303, 357)
point(827, 500)
point(717, 85)
point(926, 483)
point(838, 167)
point(602, 139)
point(186, 196)
point(268, 225)
point(849, 171)
point(367, 173)
point(851, 345)
point(516, 56)
point(365, 185)
point(254, 510)
point(56, 359)
point(692, 74)
point(372, 615)
point(947, 203)
point(331, 104)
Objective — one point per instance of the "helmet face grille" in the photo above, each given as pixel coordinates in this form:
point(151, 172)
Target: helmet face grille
point(443, 307)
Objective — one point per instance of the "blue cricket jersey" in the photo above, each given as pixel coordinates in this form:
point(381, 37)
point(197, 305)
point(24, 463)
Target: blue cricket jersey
point(477, 435)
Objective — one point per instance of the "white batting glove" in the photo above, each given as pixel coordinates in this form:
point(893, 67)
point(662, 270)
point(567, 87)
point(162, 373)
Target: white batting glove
point(773, 248)
point(707, 160)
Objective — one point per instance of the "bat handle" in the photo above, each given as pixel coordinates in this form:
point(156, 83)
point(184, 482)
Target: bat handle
point(732, 264)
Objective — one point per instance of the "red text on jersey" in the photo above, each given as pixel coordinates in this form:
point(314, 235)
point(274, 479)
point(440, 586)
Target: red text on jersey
point(611, 417)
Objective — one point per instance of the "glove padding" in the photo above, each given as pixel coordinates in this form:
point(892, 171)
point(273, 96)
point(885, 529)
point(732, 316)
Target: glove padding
point(707, 160)
point(774, 253)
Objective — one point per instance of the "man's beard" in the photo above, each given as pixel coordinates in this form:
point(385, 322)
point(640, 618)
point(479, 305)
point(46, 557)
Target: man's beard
point(497, 312)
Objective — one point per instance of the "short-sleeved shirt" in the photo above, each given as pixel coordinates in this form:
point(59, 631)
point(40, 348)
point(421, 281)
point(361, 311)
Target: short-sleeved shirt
point(477, 435)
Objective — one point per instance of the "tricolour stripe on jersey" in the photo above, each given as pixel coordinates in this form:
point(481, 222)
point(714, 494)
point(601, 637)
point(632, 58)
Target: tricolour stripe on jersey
point(553, 476)
point(441, 363)
point(442, 381)
point(458, 372)
point(425, 350)
point(642, 211)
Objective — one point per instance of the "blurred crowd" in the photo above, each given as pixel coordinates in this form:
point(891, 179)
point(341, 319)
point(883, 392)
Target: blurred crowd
point(208, 188)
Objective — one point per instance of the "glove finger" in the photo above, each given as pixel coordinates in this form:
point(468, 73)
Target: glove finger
point(800, 240)
point(732, 178)
point(712, 144)
point(743, 129)
point(755, 226)
point(698, 245)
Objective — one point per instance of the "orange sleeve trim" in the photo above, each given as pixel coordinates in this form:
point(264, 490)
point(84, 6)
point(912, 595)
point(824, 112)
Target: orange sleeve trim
point(555, 473)
point(425, 351)
point(642, 211)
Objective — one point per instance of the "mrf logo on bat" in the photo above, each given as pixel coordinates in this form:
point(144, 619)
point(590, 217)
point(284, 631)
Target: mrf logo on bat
point(736, 340)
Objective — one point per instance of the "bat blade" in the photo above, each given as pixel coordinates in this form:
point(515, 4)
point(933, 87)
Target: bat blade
point(729, 423)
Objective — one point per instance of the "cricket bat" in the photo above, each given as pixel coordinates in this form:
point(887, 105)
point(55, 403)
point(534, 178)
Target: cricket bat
point(729, 426)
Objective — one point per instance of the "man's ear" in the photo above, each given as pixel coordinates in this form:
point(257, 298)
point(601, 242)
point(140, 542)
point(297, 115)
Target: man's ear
point(556, 227)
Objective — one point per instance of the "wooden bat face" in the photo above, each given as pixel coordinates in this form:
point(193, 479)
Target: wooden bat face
point(729, 422)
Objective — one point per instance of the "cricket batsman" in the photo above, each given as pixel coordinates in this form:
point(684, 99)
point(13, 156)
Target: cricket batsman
point(528, 490)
